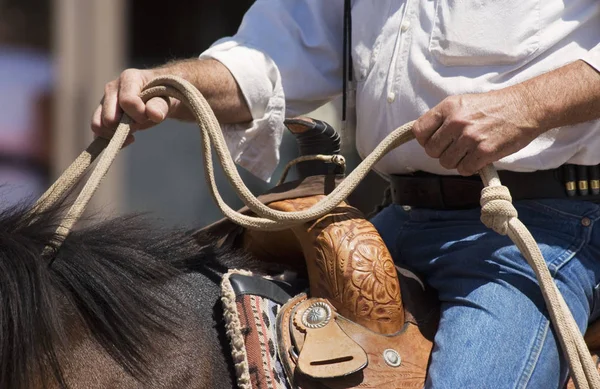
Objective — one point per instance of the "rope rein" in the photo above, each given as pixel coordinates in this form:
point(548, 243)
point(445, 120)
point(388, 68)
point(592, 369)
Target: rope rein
point(497, 210)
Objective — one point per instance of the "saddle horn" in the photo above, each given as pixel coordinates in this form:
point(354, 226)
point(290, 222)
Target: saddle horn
point(315, 137)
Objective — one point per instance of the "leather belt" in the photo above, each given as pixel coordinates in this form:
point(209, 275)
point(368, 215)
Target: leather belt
point(425, 190)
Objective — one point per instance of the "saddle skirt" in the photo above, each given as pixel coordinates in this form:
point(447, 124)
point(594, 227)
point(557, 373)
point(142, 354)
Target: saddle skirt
point(272, 348)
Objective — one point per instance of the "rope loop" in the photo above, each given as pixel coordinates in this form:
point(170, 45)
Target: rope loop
point(497, 208)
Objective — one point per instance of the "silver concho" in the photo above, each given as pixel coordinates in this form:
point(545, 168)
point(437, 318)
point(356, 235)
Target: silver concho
point(317, 315)
point(392, 358)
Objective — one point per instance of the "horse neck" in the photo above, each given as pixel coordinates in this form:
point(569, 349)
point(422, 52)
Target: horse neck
point(190, 357)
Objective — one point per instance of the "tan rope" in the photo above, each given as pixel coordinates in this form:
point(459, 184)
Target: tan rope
point(498, 212)
point(70, 176)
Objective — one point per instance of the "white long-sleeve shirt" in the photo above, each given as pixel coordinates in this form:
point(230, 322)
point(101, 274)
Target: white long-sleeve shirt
point(408, 55)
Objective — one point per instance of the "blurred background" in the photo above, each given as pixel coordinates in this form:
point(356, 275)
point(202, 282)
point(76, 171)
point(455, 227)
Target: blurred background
point(55, 58)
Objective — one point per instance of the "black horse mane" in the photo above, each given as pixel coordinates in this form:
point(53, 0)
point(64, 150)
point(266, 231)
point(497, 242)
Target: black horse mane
point(111, 276)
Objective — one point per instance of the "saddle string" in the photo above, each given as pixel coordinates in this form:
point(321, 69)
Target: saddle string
point(335, 159)
point(498, 213)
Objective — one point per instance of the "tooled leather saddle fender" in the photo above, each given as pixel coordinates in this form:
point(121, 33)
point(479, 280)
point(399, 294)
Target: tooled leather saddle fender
point(364, 323)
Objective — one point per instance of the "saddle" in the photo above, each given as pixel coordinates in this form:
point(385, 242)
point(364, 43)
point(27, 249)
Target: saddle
point(363, 323)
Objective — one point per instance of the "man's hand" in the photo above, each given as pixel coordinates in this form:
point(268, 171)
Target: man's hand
point(468, 132)
point(211, 77)
point(122, 96)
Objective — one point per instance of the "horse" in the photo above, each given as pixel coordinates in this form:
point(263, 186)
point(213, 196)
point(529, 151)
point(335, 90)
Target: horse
point(122, 304)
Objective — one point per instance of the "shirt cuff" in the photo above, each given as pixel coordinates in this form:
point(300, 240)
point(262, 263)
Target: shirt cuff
point(255, 145)
point(593, 57)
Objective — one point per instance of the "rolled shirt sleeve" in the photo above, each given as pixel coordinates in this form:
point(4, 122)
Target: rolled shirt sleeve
point(286, 58)
point(254, 145)
point(593, 57)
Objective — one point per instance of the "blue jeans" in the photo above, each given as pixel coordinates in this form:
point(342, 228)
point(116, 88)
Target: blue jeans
point(494, 330)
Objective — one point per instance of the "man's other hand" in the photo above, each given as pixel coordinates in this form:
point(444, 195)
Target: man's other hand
point(467, 132)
